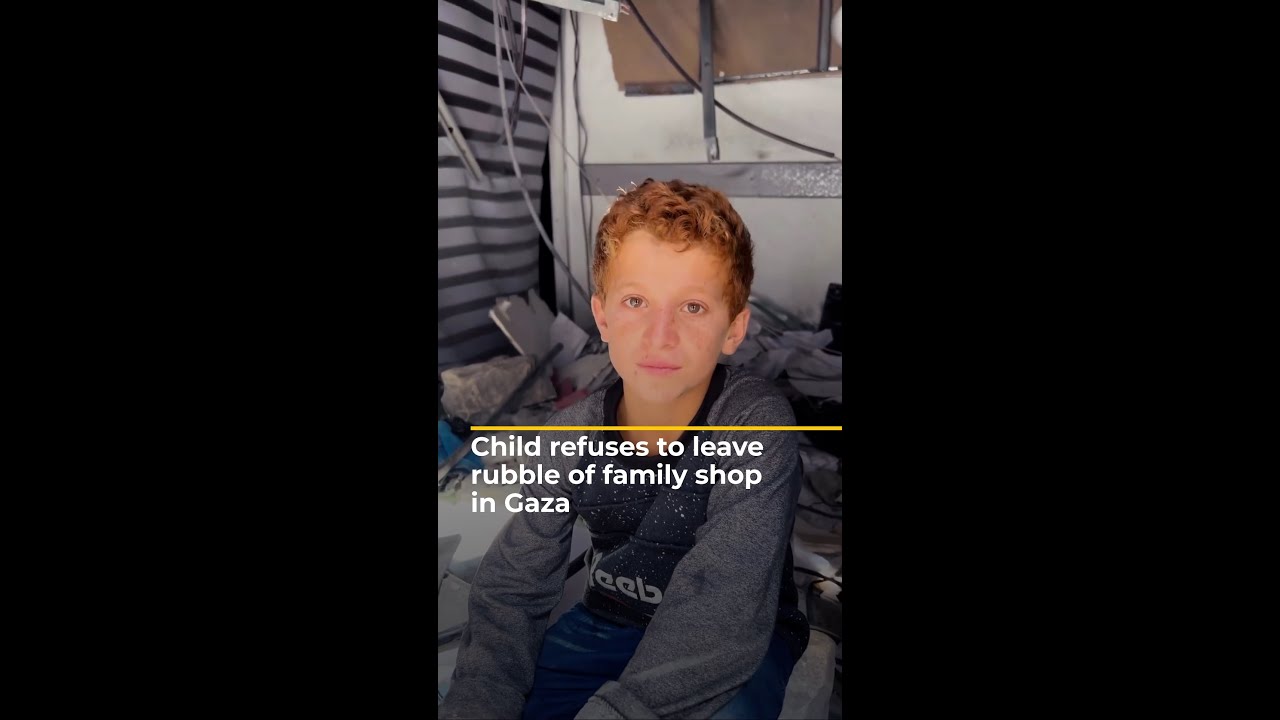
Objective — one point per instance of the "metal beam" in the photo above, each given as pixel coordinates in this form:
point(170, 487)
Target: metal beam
point(778, 180)
point(824, 35)
point(708, 81)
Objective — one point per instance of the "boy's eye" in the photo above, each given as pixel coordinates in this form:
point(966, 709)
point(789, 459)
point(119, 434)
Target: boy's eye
point(633, 302)
point(694, 308)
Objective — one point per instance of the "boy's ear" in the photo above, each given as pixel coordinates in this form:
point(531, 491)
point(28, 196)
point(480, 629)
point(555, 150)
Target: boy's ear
point(597, 311)
point(737, 331)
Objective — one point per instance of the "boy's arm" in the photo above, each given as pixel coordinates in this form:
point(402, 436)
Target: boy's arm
point(717, 616)
point(518, 584)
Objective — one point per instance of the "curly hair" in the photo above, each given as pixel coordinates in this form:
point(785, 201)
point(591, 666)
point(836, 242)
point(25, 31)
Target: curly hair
point(682, 213)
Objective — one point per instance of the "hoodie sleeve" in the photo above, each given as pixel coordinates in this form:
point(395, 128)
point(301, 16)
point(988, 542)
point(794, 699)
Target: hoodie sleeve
point(519, 582)
point(714, 625)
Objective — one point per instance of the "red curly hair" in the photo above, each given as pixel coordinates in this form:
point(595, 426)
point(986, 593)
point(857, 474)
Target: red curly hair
point(683, 213)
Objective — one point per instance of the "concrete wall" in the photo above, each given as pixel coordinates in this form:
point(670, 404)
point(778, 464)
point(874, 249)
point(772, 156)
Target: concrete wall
point(797, 240)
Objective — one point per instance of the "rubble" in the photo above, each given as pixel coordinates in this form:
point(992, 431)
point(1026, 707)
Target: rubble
point(579, 365)
point(779, 347)
point(801, 355)
point(581, 368)
point(473, 392)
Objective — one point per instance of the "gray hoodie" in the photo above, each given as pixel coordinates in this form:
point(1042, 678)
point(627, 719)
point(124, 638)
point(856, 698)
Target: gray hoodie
point(717, 555)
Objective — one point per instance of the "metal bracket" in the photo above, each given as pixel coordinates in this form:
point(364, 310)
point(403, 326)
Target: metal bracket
point(607, 9)
point(708, 81)
point(824, 35)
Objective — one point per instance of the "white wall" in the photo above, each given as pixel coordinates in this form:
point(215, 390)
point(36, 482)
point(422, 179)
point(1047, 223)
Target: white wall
point(797, 240)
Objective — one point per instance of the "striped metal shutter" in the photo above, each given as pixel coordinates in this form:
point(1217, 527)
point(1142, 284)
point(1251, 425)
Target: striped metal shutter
point(487, 242)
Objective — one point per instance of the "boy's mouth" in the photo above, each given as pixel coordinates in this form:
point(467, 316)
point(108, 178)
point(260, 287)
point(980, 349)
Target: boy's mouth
point(658, 368)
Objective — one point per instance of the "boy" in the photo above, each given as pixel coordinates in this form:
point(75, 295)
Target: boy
point(690, 608)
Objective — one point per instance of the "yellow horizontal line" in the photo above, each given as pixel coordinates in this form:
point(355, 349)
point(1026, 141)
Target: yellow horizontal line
point(657, 427)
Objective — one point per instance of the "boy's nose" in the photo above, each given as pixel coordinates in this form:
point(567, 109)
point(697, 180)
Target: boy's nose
point(661, 331)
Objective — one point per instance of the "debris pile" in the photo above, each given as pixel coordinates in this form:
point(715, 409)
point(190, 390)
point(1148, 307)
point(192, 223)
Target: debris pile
point(570, 365)
point(803, 361)
point(811, 369)
point(557, 363)
point(473, 392)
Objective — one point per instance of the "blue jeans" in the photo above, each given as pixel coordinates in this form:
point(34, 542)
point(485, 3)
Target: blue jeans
point(581, 652)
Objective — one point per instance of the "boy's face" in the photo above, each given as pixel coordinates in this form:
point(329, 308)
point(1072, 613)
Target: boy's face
point(666, 318)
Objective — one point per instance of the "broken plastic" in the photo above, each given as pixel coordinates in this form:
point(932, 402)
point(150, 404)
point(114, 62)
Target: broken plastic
point(447, 442)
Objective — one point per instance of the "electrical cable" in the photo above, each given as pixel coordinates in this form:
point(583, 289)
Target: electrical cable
point(448, 138)
point(453, 135)
point(515, 164)
point(508, 33)
point(524, 47)
point(688, 78)
point(564, 147)
point(517, 63)
point(582, 148)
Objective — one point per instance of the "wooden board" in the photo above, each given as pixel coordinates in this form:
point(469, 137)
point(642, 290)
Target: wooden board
point(750, 37)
